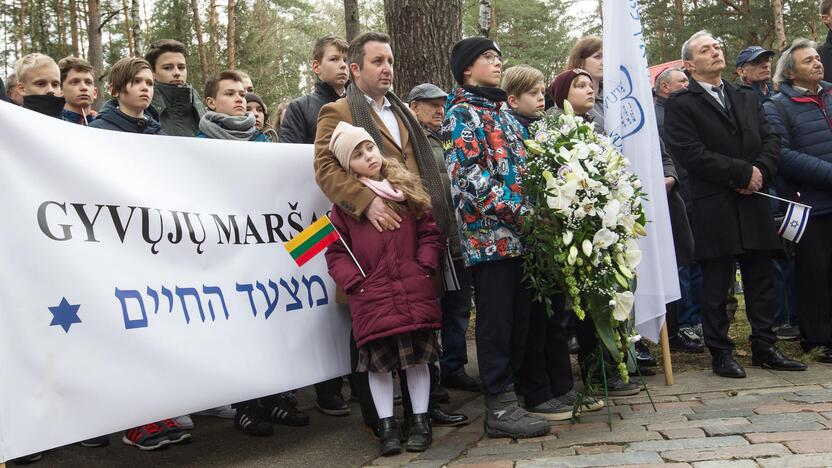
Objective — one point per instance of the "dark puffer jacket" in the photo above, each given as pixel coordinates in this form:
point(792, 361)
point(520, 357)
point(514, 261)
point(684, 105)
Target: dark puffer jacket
point(301, 119)
point(805, 145)
point(111, 118)
point(398, 294)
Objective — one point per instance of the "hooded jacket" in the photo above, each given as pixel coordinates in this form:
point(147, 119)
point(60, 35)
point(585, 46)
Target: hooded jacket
point(398, 294)
point(805, 145)
point(111, 118)
point(300, 123)
point(178, 108)
point(486, 160)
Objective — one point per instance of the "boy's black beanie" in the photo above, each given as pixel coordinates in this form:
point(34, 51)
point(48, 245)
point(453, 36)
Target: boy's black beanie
point(466, 51)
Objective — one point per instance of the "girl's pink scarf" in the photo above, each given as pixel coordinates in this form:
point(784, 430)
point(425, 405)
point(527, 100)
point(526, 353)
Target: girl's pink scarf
point(383, 189)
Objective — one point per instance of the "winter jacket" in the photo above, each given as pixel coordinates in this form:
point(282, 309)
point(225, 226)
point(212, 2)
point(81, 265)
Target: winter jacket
point(111, 118)
point(300, 122)
point(805, 129)
point(762, 94)
point(435, 141)
point(682, 181)
point(398, 295)
point(77, 118)
point(825, 52)
point(3, 95)
point(179, 109)
point(486, 161)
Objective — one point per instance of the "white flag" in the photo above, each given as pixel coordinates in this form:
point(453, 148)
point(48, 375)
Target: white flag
point(795, 221)
point(630, 121)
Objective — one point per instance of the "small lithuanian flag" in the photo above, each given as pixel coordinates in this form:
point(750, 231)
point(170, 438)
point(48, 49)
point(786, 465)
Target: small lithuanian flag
point(312, 240)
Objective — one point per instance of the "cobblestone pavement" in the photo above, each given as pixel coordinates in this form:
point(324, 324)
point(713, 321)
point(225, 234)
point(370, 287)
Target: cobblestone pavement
point(769, 420)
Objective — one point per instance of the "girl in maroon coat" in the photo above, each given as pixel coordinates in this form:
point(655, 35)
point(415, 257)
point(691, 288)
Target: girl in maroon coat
point(394, 308)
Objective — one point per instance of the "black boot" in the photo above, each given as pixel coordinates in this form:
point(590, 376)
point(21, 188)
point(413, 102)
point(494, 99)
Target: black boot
point(420, 435)
point(388, 435)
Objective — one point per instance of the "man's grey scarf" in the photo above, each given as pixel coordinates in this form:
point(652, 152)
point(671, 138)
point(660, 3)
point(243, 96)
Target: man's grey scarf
point(228, 127)
point(362, 117)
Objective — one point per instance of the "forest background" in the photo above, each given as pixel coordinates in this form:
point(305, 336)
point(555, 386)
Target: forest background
point(272, 39)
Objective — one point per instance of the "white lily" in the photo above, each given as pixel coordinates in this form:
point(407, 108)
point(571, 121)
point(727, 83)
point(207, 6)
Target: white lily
point(604, 238)
point(623, 305)
point(632, 254)
point(611, 211)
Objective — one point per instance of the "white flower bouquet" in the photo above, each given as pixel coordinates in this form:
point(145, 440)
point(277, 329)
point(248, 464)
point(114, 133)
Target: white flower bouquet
point(581, 233)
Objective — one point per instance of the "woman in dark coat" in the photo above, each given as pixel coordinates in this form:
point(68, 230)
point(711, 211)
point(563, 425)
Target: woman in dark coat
point(392, 298)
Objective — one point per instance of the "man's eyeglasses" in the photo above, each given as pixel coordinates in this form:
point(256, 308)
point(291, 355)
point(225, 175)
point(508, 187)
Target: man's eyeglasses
point(491, 57)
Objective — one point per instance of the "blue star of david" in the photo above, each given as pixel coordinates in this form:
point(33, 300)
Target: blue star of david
point(794, 223)
point(65, 314)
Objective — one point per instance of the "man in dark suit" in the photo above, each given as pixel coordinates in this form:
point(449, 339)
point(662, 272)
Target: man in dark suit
point(718, 132)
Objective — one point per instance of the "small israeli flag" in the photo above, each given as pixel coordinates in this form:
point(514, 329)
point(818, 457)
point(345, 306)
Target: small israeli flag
point(795, 221)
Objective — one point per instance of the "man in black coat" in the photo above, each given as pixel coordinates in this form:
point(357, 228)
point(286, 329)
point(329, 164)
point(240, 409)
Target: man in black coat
point(329, 63)
point(718, 132)
point(825, 49)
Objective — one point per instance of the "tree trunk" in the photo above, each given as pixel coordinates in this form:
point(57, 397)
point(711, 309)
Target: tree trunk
point(62, 44)
point(21, 27)
point(213, 35)
point(679, 7)
point(231, 36)
point(779, 29)
point(352, 19)
point(73, 26)
point(127, 30)
point(136, 23)
point(422, 33)
point(203, 61)
point(95, 55)
point(486, 11)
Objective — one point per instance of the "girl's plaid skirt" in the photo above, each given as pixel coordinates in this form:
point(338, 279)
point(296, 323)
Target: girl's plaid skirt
point(398, 351)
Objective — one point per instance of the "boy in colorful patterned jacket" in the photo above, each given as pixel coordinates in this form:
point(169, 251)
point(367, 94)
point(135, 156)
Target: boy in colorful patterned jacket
point(485, 159)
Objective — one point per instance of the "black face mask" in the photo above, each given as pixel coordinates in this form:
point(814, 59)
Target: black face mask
point(46, 104)
point(494, 94)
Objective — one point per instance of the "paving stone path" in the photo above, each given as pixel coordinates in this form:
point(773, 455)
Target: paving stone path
point(769, 420)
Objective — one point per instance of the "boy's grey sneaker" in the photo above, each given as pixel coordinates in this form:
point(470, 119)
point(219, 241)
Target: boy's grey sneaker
point(553, 410)
point(504, 418)
point(587, 404)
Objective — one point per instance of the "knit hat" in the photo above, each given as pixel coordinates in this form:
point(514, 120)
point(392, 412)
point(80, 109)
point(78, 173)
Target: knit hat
point(253, 97)
point(558, 89)
point(466, 51)
point(344, 140)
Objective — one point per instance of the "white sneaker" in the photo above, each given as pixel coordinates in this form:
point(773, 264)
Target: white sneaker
point(224, 412)
point(184, 422)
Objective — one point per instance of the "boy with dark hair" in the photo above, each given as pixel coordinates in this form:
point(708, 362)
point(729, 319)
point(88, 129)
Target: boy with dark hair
point(39, 84)
point(226, 118)
point(486, 161)
point(175, 101)
point(329, 63)
point(11, 90)
point(78, 87)
point(299, 124)
point(131, 85)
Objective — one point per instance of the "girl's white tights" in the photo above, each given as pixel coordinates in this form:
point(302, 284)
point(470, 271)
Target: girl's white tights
point(418, 384)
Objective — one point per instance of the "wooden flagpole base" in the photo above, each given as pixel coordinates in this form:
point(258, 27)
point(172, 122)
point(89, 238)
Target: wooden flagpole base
point(666, 363)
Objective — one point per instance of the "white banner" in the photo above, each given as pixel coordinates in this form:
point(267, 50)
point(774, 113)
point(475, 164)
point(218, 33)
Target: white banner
point(630, 121)
point(144, 277)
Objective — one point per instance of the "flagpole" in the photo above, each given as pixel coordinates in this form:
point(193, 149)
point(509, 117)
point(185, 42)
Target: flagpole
point(782, 199)
point(347, 247)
